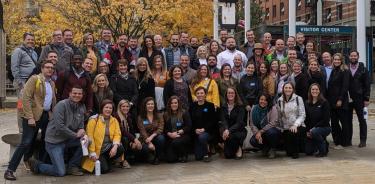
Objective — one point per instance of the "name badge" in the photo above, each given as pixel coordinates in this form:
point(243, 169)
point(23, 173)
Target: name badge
point(252, 84)
point(145, 122)
point(178, 124)
point(205, 110)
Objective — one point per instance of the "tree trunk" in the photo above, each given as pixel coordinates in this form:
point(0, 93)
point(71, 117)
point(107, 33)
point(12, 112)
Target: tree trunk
point(1, 16)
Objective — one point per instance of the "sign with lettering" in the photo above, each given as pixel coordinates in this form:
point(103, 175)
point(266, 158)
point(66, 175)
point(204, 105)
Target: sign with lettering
point(323, 29)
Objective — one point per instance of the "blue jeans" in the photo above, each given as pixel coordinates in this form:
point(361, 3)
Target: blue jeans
point(25, 148)
point(201, 145)
point(270, 139)
point(317, 142)
point(56, 153)
point(159, 143)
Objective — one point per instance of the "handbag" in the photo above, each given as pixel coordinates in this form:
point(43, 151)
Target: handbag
point(246, 143)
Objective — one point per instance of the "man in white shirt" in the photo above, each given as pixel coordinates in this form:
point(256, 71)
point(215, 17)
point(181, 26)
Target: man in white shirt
point(227, 56)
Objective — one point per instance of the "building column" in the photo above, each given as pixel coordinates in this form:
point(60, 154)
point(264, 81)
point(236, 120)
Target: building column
point(216, 19)
point(247, 16)
point(361, 31)
point(292, 17)
point(319, 13)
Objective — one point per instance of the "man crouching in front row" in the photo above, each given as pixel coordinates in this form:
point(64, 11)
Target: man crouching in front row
point(63, 135)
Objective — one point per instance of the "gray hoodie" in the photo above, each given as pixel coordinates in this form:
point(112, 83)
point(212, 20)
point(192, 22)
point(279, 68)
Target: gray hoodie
point(67, 119)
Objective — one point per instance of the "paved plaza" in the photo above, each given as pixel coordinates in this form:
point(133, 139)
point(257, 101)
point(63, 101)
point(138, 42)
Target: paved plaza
point(350, 165)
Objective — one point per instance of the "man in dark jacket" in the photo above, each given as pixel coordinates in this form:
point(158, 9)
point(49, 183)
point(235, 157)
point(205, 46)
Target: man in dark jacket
point(117, 52)
point(359, 90)
point(75, 76)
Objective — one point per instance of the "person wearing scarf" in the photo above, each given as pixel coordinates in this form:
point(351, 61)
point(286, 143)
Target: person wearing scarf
point(263, 124)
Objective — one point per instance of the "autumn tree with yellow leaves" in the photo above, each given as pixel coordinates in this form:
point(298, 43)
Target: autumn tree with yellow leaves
point(132, 17)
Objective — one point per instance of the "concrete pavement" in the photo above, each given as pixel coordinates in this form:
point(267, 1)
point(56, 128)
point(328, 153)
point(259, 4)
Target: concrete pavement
point(350, 165)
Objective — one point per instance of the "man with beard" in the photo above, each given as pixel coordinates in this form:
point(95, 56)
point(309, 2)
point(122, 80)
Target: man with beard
point(134, 49)
point(105, 43)
point(194, 43)
point(248, 47)
point(188, 72)
point(212, 66)
point(117, 52)
point(68, 40)
point(359, 90)
point(172, 53)
point(238, 69)
point(158, 39)
point(185, 47)
point(64, 52)
point(75, 76)
point(227, 55)
point(223, 38)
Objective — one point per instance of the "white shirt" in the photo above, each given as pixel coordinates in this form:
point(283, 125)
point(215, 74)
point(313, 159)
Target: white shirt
point(227, 56)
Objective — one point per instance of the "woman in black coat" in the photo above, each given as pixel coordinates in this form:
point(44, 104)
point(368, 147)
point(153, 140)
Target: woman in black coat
point(233, 130)
point(250, 86)
point(177, 126)
point(149, 50)
point(205, 125)
point(176, 85)
point(315, 75)
point(337, 94)
point(124, 85)
point(317, 122)
point(146, 84)
point(300, 80)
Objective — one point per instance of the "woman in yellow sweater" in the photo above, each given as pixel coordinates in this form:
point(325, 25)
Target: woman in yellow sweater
point(105, 139)
point(203, 79)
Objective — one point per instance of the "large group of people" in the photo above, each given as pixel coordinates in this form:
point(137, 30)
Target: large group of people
point(125, 102)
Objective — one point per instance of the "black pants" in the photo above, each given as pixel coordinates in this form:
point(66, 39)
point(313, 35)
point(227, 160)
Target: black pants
point(357, 105)
point(294, 142)
point(106, 160)
point(234, 141)
point(177, 147)
point(341, 129)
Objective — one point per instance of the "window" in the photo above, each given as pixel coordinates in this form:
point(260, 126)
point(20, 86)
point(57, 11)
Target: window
point(299, 4)
point(339, 12)
point(372, 7)
point(267, 13)
point(282, 9)
point(308, 19)
point(274, 11)
point(328, 15)
point(298, 19)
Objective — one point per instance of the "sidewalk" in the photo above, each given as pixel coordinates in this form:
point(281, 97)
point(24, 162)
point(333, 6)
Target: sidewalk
point(351, 165)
